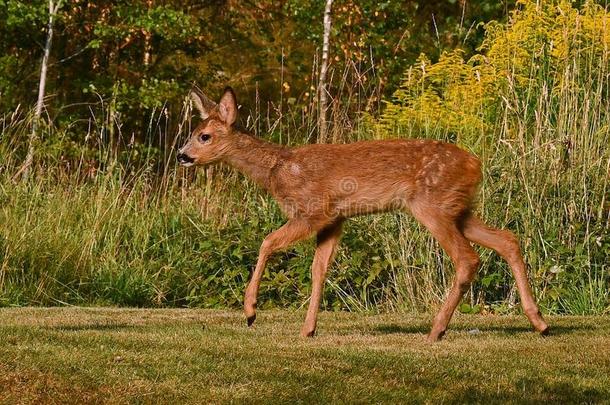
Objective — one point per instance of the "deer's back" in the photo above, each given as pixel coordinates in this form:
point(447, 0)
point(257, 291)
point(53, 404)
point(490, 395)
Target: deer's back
point(373, 176)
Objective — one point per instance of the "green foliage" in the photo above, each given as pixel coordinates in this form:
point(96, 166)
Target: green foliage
point(163, 22)
point(18, 13)
point(165, 46)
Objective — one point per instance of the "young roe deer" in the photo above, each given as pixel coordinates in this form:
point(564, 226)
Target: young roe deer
point(319, 186)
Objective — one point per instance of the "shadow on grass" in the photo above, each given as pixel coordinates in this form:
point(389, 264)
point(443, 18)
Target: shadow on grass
point(95, 327)
point(507, 329)
point(553, 329)
point(532, 391)
point(402, 329)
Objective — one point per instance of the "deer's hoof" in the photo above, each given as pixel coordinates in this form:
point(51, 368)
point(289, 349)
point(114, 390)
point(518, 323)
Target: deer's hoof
point(546, 331)
point(250, 319)
point(308, 333)
point(435, 336)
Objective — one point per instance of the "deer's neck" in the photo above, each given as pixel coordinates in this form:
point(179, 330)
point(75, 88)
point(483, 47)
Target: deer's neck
point(254, 157)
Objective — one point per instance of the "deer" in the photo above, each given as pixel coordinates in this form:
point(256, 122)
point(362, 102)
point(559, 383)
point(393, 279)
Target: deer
point(319, 186)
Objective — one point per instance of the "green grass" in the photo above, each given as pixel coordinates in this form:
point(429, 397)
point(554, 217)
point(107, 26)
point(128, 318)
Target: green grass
point(73, 355)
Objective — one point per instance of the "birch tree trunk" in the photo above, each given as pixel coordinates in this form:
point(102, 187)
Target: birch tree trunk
point(147, 39)
point(25, 169)
point(322, 90)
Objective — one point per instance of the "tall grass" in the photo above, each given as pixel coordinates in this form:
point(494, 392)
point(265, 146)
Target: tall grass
point(534, 105)
point(103, 220)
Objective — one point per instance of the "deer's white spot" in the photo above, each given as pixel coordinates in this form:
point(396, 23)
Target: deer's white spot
point(295, 169)
point(430, 181)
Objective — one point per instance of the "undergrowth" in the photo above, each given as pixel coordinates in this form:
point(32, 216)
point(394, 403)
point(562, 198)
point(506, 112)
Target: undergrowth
point(106, 221)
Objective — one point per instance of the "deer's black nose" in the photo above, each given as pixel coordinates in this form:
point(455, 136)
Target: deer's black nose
point(183, 158)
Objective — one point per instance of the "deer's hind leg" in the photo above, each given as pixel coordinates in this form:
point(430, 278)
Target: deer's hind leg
point(506, 244)
point(444, 228)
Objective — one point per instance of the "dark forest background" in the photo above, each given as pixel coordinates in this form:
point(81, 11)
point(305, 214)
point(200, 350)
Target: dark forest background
point(144, 55)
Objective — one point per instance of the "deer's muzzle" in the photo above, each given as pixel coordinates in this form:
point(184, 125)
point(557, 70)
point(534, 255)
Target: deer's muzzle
point(184, 159)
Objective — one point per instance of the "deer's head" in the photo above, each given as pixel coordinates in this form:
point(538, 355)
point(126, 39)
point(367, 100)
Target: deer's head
point(213, 137)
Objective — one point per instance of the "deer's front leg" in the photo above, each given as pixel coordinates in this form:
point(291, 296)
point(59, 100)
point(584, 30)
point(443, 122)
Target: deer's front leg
point(291, 232)
point(327, 241)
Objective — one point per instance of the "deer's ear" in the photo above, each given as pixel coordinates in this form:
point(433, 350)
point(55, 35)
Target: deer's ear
point(202, 103)
point(227, 107)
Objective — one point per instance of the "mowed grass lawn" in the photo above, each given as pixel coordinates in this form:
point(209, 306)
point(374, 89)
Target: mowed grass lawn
point(75, 355)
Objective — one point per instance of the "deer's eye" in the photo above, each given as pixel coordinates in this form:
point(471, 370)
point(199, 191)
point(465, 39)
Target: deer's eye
point(204, 137)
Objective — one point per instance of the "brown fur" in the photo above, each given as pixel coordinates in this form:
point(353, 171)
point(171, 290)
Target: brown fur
point(319, 186)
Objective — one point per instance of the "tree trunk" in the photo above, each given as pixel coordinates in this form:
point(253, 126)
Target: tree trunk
point(147, 39)
point(322, 90)
point(25, 169)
